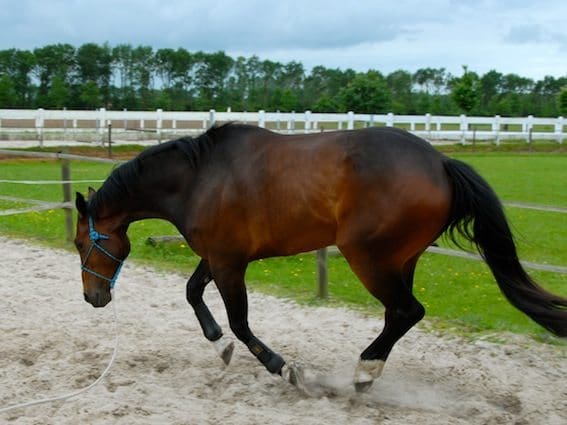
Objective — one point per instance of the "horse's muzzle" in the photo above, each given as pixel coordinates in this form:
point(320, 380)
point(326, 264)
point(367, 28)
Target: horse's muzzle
point(98, 299)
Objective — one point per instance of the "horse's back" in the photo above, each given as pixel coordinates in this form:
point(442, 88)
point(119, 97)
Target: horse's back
point(286, 194)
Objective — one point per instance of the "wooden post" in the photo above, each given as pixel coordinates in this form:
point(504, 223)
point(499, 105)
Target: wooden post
point(110, 140)
point(66, 177)
point(322, 273)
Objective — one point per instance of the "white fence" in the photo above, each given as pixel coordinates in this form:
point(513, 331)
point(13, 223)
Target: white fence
point(159, 124)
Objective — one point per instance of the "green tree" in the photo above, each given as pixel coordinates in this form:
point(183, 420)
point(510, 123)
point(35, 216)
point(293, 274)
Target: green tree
point(491, 89)
point(90, 95)
point(94, 63)
point(290, 80)
point(367, 93)
point(466, 90)
point(562, 101)
point(322, 87)
point(52, 60)
point(213, 70)
point(143, 71)
point(59, 94)
point(325, 104)
point(18, 65)
point(400, 85)
point(8, 95)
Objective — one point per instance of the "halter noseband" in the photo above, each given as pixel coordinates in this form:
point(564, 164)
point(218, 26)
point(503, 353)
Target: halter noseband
point(95, 236)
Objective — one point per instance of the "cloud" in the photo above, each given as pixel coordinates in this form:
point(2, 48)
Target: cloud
point(534, 33)
point(378, 34)
point(226, 24)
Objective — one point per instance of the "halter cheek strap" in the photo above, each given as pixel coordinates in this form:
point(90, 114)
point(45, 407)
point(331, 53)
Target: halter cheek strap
point(95, 237)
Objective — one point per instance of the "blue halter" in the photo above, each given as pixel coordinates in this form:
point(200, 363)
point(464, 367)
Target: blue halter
point(95, 236)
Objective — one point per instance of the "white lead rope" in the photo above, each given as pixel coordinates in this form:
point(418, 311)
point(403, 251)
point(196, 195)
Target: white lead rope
point(85, 389)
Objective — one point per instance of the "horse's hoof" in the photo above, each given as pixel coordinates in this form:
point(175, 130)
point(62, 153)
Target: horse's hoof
point(295, 375)
point(224, 349)
point(365, 373)
point(226, 355)
point(362, 387)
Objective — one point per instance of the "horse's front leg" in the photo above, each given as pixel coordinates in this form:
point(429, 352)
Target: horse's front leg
point(230, 282)
point(213, 332)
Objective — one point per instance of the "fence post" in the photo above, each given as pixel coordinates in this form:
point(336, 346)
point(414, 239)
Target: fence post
point(66, 177)
point(350, 125)
point(323, 290)
point(39, 122)
point(212, 119)
point(261, 118)
point(390, 120)
point(428, 124)
point(64, 123)
point(528, 129)
point(496, 129)
point(159, 123)
point(291, 123)
point(463, 128)
point(559, 130)
point(101, 124)
point(110, 140)
point(307, 128)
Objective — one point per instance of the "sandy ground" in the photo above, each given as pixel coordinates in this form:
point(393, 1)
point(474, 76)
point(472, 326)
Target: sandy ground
point(52, 342)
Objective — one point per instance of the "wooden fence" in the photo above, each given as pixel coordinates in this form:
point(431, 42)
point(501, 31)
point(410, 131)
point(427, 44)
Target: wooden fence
point(66, 182)
point(159, 124)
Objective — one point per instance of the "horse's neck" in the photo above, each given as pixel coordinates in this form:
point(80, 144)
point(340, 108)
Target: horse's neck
point(154, 195)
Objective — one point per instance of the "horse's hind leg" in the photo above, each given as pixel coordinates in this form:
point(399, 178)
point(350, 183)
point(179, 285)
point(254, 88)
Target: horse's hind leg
point(213, 332)
point(392, 285)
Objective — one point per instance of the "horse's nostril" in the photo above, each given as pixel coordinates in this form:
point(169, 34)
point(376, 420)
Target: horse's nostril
point(97, 298)
point(86, 297)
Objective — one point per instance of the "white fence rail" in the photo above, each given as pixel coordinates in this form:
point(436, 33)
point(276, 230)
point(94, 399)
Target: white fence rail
point(69, 124)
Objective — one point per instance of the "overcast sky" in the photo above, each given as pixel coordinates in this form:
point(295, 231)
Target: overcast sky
point(526, 37)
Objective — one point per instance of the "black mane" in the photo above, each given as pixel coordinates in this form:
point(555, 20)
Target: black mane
point(124, 179)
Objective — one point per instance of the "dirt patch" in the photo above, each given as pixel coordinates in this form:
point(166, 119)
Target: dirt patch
point(166, 372)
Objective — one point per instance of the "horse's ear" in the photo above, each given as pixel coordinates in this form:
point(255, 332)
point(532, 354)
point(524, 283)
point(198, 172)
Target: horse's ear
point(91, 193)
point(81, 204)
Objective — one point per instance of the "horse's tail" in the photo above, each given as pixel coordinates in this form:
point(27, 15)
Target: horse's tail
point(478, 216)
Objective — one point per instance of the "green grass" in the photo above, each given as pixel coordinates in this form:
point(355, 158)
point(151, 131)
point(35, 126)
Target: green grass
point(457, 293)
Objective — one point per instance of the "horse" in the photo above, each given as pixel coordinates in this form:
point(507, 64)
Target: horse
point(239, 193)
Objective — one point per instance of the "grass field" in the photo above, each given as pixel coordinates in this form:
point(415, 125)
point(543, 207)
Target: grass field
point(457, 293)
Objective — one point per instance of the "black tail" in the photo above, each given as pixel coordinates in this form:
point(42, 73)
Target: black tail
point(478, 216)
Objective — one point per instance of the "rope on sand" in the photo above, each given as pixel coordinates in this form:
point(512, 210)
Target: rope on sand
point(68, 396)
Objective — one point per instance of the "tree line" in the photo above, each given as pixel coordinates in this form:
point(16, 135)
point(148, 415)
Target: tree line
point(143, 78)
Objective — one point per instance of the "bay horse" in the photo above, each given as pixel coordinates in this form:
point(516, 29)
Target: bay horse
point(239, 193)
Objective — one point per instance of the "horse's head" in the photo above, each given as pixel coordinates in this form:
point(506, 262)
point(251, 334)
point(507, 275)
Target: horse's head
point(103, 246)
